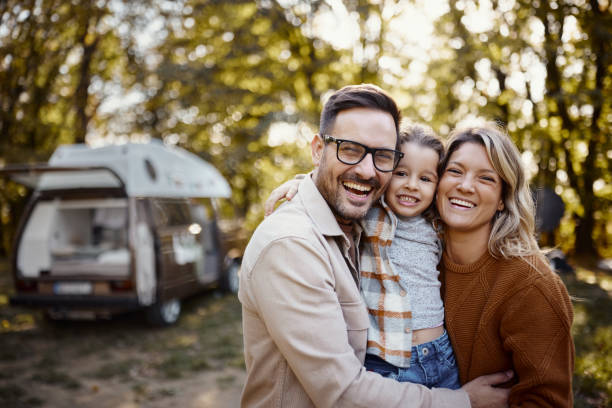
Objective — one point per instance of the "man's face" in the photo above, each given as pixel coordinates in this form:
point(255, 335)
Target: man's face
point(350, 190)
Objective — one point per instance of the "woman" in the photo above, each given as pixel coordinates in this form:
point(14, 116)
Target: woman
point(505, 308)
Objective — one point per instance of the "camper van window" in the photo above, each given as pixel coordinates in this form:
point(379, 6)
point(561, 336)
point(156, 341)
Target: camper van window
point(207, 208)
point(171, 212)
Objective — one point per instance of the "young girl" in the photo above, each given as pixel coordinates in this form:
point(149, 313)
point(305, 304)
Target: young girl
point(399, 280)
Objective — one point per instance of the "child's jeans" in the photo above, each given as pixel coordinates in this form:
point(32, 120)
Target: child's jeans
point(431, 364)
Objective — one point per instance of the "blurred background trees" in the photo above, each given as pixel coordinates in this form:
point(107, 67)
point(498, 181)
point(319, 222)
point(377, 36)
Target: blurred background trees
point(543, 69)
point(241, 84)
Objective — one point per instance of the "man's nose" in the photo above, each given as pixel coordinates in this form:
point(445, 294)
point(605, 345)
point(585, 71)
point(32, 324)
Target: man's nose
point(365, 168)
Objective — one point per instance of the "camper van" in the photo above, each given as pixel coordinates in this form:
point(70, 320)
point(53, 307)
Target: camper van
point(119, 228)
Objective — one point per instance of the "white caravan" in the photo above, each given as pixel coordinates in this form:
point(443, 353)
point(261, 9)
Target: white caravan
point(117, 228)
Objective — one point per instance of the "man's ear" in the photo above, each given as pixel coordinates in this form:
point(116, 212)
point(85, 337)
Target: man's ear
point(316, 149)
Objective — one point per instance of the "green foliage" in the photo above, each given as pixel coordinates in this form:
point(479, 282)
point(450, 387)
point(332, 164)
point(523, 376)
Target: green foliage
point(54, 58)
point(543, 69)
point(51, 52)
point(592, 333)
point(595, 365)
point(225, 75)
point(216, 77)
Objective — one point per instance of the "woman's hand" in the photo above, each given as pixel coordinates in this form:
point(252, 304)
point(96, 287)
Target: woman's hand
point(286, 191)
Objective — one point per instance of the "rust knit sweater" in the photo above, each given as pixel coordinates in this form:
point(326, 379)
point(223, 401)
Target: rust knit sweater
point(505, 314)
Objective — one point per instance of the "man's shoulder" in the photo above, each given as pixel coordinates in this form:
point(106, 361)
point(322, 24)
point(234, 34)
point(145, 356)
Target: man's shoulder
point(286, 240)
point(289, 222)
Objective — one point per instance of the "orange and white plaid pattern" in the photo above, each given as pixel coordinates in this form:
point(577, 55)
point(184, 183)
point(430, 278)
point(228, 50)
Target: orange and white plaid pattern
point(390, 332)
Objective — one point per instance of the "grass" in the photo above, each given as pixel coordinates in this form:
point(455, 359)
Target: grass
point(592, 332)
point(115, 369)
point(14, 396)
point(54, 377)
point(49, 360)
point(225, 381)
point(124, 350)
point(11, 393)
point(180, 362)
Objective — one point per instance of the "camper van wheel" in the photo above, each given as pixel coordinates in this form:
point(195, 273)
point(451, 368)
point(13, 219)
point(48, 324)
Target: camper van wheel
point(232, 277)
point(164, 313)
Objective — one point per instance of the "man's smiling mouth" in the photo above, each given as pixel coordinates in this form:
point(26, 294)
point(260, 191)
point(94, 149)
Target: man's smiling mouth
point(357, 188)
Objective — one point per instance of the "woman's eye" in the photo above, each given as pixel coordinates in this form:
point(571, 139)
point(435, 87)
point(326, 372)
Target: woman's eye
point(454, 171)
point(489, 179)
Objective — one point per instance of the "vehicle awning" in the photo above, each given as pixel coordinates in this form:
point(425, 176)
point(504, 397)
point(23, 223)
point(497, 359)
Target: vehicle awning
point(45, 177)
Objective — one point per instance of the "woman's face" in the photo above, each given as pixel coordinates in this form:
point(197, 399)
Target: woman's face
point(469, 192)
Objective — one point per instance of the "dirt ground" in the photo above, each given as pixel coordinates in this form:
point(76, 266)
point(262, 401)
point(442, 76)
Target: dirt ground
point(123, 362)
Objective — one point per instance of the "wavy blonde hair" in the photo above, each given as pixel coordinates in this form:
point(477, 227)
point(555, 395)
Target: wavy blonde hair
point(513, 228)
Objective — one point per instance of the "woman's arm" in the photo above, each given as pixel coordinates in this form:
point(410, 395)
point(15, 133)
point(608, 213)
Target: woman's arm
point(536, 329)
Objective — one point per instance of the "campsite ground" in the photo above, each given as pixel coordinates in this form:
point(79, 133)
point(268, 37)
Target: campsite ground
point(198, 363)
point(123, 362)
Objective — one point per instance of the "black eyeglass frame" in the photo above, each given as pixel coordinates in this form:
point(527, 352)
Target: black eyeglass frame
point(371, 150)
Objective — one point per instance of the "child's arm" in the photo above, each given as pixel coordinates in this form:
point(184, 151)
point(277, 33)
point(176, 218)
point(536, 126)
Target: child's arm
point(286, 191)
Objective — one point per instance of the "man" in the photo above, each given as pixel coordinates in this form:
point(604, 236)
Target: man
point(305, 325)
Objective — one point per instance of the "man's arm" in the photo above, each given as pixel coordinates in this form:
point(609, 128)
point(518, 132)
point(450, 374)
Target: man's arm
point(294, 291)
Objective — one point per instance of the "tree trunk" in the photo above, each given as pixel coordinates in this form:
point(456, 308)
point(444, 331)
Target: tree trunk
point(585, 245)
point(81, 93)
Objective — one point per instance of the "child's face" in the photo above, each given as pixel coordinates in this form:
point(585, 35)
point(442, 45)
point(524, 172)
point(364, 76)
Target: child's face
point(413, 185)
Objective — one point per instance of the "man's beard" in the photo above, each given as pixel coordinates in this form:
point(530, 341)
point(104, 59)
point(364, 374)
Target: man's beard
point(337, 200)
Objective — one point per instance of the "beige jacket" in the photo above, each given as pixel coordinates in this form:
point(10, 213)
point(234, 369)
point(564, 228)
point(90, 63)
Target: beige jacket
point(305, 324)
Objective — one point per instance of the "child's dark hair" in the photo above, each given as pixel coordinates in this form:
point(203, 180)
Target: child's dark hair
point(424, 136)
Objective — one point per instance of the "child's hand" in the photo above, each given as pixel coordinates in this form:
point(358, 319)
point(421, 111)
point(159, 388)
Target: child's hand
point(287, 190)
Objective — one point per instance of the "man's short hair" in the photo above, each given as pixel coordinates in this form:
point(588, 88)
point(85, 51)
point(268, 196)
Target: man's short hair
point(357, 96)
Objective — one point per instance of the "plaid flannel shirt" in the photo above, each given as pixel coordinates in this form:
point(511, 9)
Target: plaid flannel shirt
point(389, 309)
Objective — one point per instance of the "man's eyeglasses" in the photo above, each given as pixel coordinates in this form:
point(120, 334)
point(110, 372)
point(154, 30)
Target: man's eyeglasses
point(349, 152)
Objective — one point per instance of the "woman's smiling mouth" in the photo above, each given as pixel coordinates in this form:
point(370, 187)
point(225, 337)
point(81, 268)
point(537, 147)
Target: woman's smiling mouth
point(462, 203)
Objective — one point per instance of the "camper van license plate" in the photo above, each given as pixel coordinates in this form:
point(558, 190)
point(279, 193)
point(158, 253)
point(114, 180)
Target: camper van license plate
point(72, 288)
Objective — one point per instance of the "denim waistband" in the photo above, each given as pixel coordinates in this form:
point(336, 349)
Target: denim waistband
point(426, 350)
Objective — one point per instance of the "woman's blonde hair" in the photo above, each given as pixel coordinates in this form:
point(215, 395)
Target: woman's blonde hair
point(513, 228)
